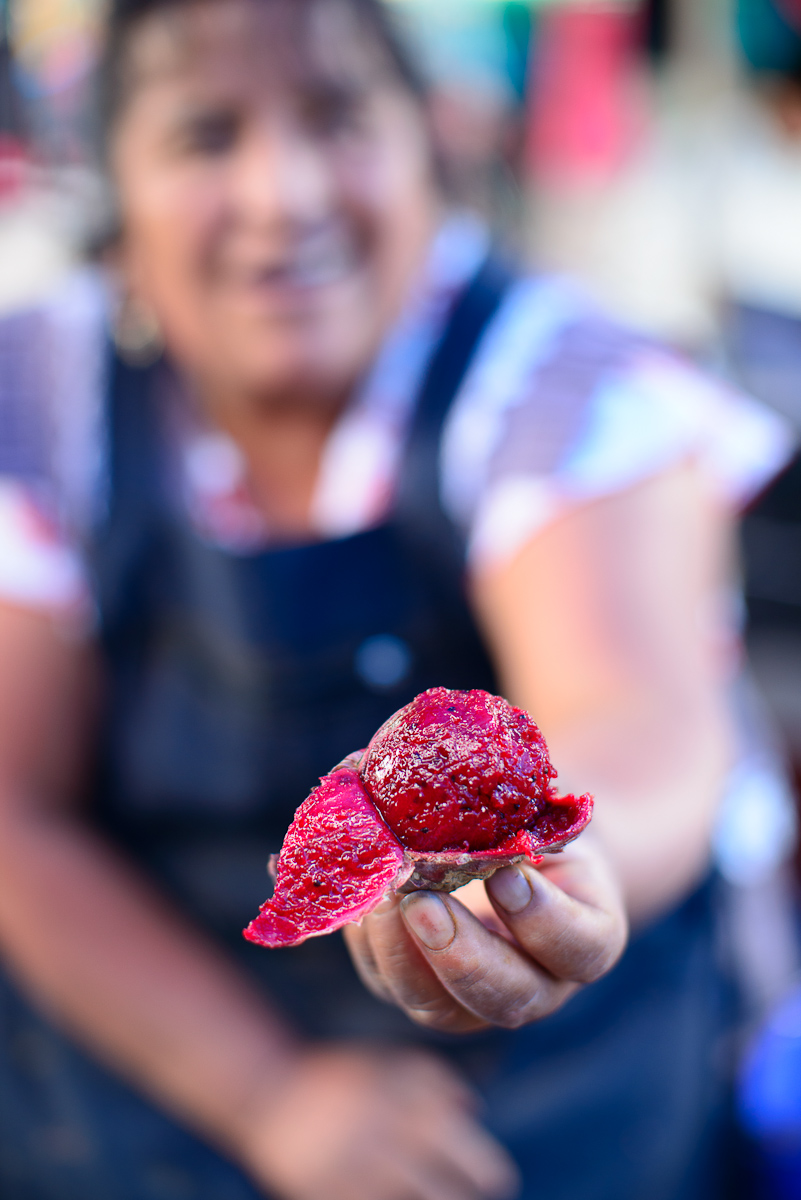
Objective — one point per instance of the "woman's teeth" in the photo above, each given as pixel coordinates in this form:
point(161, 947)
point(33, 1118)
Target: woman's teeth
point(309, 269)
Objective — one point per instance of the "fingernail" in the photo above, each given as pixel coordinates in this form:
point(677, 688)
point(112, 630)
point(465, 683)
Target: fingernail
point(510, 888)
point(430, 919)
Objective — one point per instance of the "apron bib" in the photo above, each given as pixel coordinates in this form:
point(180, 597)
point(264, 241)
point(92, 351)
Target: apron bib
point(235, 682)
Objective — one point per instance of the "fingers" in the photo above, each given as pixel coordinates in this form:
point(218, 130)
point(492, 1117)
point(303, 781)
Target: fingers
point(488, 976)
point(576, 929)
point(427, 1084)
point(425, 1140)
point(417, 1181)
point(472, 1155)
point(363, 959)
point(564, 925)
point(383, 1123)
point(457, 1154)
point(438, 1107)
point(433, 1180)
point(406, 973)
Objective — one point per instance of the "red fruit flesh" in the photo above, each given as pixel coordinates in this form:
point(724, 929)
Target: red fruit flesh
point(458, 771)
point(337, 861)
point(452, 787)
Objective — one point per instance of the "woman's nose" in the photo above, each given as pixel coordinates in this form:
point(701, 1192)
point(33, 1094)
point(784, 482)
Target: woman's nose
point(281, 175)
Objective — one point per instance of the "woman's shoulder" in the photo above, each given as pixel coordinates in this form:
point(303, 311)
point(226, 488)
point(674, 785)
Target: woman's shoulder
point(52, 383)
point(563, 404)
point(41, 343)
point(52, 365)
point(78, 303)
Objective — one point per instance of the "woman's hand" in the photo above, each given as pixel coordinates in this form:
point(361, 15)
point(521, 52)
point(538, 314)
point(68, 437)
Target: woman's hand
point(350, 1123)
point(459, 963)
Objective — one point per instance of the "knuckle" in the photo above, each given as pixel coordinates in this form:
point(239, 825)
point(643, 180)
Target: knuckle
point(591, 965)
point(516, 1018)
point(430, 1010)
point(444, 1019)
point(522, 1010)
point(598, 957)
point(470, 977)
point(483, 989)
point(542, 1002)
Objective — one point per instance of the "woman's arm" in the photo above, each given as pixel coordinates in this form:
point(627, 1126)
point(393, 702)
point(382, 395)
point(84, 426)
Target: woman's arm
point(85, 934)
point(608, 628)
point(142, 989)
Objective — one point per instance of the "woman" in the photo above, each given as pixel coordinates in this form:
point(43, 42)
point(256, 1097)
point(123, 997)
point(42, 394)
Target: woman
point(226, 565)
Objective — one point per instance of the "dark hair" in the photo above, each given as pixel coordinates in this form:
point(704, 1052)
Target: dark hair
point(125, 16)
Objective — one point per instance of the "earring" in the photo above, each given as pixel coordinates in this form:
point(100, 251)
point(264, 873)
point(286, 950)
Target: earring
point(137, 333)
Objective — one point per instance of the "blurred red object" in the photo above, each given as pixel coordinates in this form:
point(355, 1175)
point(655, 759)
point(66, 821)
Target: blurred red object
point(791, 11)
point(14, 167)
point(14, 152)
point(584, 115)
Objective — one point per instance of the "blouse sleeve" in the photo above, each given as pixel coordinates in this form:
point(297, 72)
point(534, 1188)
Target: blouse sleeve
point(51, 369)
point(562, 407)
point(39, 566)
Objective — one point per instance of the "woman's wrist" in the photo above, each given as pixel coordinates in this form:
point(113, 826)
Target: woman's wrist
point(242, 1108)
point(255, 1138)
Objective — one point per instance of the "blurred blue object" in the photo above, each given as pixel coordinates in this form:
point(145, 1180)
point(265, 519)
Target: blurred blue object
point(769, 42)
point(770, 1102)
point(461, 44)
point(383, 661)
point(517, 27)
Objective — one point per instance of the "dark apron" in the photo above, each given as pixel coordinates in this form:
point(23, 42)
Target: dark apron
point(235, 681)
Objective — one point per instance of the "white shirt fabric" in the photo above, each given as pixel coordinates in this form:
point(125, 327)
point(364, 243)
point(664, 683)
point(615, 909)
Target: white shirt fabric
point(521, 445)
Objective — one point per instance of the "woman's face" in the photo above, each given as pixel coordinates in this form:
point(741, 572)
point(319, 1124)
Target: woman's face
point(276, 193)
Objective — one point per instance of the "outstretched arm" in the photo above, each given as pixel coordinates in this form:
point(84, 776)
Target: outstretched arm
point(85, 934)
point(610, 628)
point(603, 628)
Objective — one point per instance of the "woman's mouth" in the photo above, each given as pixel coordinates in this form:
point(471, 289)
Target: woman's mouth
point(310, 266)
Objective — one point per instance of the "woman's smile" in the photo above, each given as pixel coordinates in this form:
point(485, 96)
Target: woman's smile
point(275, 206)
point(302, 275)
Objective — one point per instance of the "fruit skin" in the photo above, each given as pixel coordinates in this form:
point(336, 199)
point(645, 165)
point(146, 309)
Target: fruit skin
point(337, 860)
point(452, 787)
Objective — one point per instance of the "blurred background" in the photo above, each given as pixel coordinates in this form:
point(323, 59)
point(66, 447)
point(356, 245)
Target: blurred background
point(650, 147)
point(653, 147)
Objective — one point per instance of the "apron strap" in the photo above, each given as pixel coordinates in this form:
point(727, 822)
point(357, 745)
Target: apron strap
point(418, 508)
point(136, 467)
point(127, 533)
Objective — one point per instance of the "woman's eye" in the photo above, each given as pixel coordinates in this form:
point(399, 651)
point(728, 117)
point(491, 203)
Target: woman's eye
point(209, 133)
